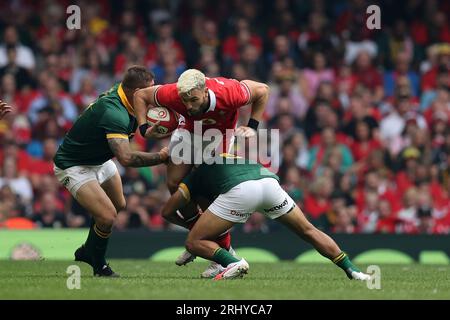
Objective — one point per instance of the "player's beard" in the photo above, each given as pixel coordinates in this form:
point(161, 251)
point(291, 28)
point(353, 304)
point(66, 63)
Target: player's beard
point(201, 110)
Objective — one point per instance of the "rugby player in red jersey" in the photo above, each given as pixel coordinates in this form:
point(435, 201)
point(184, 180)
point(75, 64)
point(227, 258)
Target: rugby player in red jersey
point(212, 101)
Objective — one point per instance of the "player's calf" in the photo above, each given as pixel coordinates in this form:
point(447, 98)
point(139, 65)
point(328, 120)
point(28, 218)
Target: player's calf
point(94, 250)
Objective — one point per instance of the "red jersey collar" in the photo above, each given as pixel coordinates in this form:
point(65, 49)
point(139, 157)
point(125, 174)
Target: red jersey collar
point(212, 101)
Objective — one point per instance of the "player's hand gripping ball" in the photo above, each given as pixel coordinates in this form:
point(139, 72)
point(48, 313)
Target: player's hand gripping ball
point(165, 119)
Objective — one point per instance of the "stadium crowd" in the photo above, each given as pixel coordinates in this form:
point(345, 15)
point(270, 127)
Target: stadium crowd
point(364, 115)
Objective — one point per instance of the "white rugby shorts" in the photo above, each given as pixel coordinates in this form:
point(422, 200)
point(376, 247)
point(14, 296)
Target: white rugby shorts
point(265, 196)
point(74, 177)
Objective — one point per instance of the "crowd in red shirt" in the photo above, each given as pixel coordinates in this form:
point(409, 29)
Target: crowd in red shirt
point(364, 115)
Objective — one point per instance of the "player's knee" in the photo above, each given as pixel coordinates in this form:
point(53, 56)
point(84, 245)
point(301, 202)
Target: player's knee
point(190, 244)
point(106, 220)
point(121, 205)
point(166, 213)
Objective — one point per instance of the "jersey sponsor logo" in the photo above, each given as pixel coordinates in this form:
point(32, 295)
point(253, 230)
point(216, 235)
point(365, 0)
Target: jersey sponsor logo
point(278, 207)
point(237, 214)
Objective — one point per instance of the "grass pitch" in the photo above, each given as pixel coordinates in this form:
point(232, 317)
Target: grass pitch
point(142, 279)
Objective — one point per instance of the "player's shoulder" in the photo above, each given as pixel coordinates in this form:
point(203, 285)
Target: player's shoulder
point(109, 109)
point(221, 82)
point(229, 91)
point(166, 94)
point(109, 104)
point(109, 98)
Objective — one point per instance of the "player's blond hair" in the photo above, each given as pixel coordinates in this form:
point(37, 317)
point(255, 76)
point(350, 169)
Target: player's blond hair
point(189, 80)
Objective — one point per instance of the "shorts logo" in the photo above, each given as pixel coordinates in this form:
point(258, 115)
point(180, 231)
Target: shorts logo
point(66, 181)
point(278, 207)
point(237, 214)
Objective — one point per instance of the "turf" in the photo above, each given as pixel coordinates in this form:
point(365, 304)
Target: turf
point(143, 279)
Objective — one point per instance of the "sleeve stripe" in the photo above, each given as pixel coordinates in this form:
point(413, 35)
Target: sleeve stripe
point(184, 191)
point(248, 91)
point(155, 97)
point(116, 136)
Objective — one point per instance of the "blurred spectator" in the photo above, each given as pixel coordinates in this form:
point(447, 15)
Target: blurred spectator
point(387, 222)
point(408, 214)
point(164, 43)
point(233, 44)
point(24, 56)
point(11, 207)
point(86, 95)
point(442, 63)
point(286, 87)
point(256, 223)
point(91, 66)
point(283, 49)
point(328, 149)
point(317, 35)
point(134, 183)
point(366, 74)
point(343, 223)
point(364, 142)
point(134, 216)
point(48, 216)
point(19, 184)
point(21, 75)
point(317, 202)
point(402, 68)
point(392, 125)
point(312, 76)
point(442, 83)
point(54, 99)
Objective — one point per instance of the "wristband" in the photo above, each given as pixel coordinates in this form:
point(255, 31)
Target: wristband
point(252, 123)
point(143, 128)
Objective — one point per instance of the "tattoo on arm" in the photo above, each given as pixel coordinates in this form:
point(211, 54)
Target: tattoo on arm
point(129, 158)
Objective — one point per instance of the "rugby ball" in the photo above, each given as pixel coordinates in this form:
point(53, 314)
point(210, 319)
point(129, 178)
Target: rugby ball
point(167, 117)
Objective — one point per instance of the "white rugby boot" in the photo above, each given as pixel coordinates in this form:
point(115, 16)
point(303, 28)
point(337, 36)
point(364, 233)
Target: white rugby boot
point(234, 270)
point(185, 258)
point(360, 276)
point(215, 268)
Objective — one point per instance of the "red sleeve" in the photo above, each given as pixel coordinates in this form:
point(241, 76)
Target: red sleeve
point(166, 95)
point(235, 94)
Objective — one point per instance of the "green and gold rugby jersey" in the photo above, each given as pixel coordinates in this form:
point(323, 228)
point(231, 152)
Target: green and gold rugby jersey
point(110, 116)
point(227, 171)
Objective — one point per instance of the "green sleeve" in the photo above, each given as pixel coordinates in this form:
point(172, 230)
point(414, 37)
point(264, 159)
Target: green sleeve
point(114, 122)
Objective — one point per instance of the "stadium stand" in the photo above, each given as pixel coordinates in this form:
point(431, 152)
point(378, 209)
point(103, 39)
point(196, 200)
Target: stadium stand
point(364, 115)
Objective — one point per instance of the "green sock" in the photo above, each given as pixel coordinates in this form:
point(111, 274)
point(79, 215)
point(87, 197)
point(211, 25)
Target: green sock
point(343, 262)
point(96, 244)
point(223, 257)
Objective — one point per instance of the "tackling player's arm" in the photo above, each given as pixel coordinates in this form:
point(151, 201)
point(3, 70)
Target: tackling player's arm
point(141, 99)
point(129, 158)
point(259, 94)
point(177, 201)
